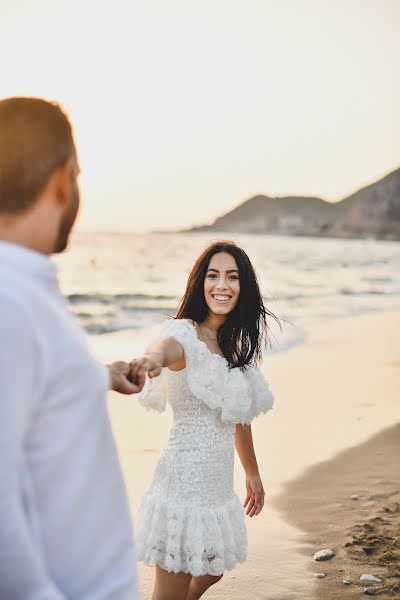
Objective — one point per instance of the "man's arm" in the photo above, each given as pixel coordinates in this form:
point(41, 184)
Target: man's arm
point(22, 567)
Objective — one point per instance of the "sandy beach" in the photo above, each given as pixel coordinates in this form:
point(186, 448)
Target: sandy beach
point(354, 509)
point(333, 393)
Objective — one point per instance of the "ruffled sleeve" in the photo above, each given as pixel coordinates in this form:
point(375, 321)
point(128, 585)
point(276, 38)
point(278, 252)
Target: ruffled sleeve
point(261, 396)
point(239, 396)
point(154, 395)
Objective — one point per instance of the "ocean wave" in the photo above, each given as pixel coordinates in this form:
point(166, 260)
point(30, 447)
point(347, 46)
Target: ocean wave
point(372, 292)
point(377, 279)
point(115, 298)
point(100, 329)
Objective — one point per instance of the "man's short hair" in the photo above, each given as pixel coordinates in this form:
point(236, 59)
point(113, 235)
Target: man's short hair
point(35, 139)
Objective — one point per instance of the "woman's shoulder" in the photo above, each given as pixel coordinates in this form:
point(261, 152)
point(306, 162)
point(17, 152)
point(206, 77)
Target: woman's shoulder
point(182, 330)
point(178, 321)
point(180, 324)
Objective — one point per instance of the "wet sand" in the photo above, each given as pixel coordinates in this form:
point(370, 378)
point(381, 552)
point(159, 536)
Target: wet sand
point(351, 504)
point(333, 392)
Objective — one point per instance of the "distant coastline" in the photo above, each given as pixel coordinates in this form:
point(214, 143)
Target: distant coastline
point(371, 212)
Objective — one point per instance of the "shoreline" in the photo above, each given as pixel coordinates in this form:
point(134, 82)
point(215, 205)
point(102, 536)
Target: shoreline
point(354, 509)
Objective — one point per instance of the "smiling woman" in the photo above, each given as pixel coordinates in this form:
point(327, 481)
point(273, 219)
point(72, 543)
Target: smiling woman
point(191, 523)
point(223, 295)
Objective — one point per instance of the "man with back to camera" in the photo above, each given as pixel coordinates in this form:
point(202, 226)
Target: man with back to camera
point(65, 529)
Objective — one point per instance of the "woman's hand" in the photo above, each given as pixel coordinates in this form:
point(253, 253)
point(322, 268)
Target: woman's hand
point(151, 363)
point(255, 495)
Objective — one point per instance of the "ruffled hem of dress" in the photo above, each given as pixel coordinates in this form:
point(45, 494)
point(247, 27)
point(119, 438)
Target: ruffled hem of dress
point(191, 539)
point(239, 395)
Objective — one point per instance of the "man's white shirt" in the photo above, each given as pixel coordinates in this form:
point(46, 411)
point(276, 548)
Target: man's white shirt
point(65, 528)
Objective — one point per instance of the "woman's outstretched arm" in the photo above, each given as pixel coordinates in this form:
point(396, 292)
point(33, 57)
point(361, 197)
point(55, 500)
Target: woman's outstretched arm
point(164, 353)
point(254, 487)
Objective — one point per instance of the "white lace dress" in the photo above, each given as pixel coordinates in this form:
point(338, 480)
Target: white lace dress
point(190, 520)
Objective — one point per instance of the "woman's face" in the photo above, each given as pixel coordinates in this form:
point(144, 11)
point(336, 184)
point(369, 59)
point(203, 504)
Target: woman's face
point(221, 284)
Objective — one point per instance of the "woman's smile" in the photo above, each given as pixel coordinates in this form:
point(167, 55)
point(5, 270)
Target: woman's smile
point(221, 298)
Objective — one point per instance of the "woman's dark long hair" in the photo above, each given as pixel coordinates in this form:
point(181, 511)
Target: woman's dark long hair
point(245, 332)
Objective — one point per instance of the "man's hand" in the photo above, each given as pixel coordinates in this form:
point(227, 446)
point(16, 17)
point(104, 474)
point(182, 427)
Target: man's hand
point(123, 380)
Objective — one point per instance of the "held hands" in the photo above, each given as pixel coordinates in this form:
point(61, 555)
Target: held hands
point(255, 495)
point(150, 363)
point(122, 380)
point(130, 378)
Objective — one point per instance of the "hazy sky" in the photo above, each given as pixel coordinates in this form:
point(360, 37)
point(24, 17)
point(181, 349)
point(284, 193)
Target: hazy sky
point(183, 109)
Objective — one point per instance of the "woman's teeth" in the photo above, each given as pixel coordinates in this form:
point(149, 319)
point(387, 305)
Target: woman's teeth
point(222, 299)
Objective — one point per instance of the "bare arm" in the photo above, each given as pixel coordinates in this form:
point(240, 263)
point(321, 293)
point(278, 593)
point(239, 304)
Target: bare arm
point(164, 353)
point(245, 449)
point(254, 488)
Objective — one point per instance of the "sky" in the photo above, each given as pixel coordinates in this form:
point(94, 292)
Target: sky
point(183, 110)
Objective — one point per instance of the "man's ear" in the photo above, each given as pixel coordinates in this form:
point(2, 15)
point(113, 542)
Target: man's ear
point(61, 182)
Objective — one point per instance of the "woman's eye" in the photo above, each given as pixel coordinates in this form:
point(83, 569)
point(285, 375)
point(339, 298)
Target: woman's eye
point(233, 277)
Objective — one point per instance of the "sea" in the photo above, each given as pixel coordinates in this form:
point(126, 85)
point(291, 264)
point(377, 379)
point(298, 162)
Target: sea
point(124, 285)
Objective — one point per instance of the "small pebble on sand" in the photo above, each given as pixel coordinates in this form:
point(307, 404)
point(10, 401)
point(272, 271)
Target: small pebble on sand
point(319, 575)
point(324, 554)
point(369, 591)
point(370, 578)
point(346, 581)
point(354, 497)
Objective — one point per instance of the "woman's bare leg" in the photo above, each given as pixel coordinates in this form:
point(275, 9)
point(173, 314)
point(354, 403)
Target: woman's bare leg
point(199, 585)
point(170, 586)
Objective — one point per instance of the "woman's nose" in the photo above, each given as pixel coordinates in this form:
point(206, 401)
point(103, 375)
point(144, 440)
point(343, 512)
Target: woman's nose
point(222, 284)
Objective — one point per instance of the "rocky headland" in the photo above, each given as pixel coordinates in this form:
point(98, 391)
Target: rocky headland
point(371, 212)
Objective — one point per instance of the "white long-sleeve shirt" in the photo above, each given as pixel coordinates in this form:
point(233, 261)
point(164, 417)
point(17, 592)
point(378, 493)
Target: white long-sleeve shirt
point(65, 529)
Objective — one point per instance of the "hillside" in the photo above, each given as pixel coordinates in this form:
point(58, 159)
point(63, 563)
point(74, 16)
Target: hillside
point(373, 211)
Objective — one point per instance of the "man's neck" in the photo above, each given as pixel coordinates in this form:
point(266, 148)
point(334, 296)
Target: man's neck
point(28, 230)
